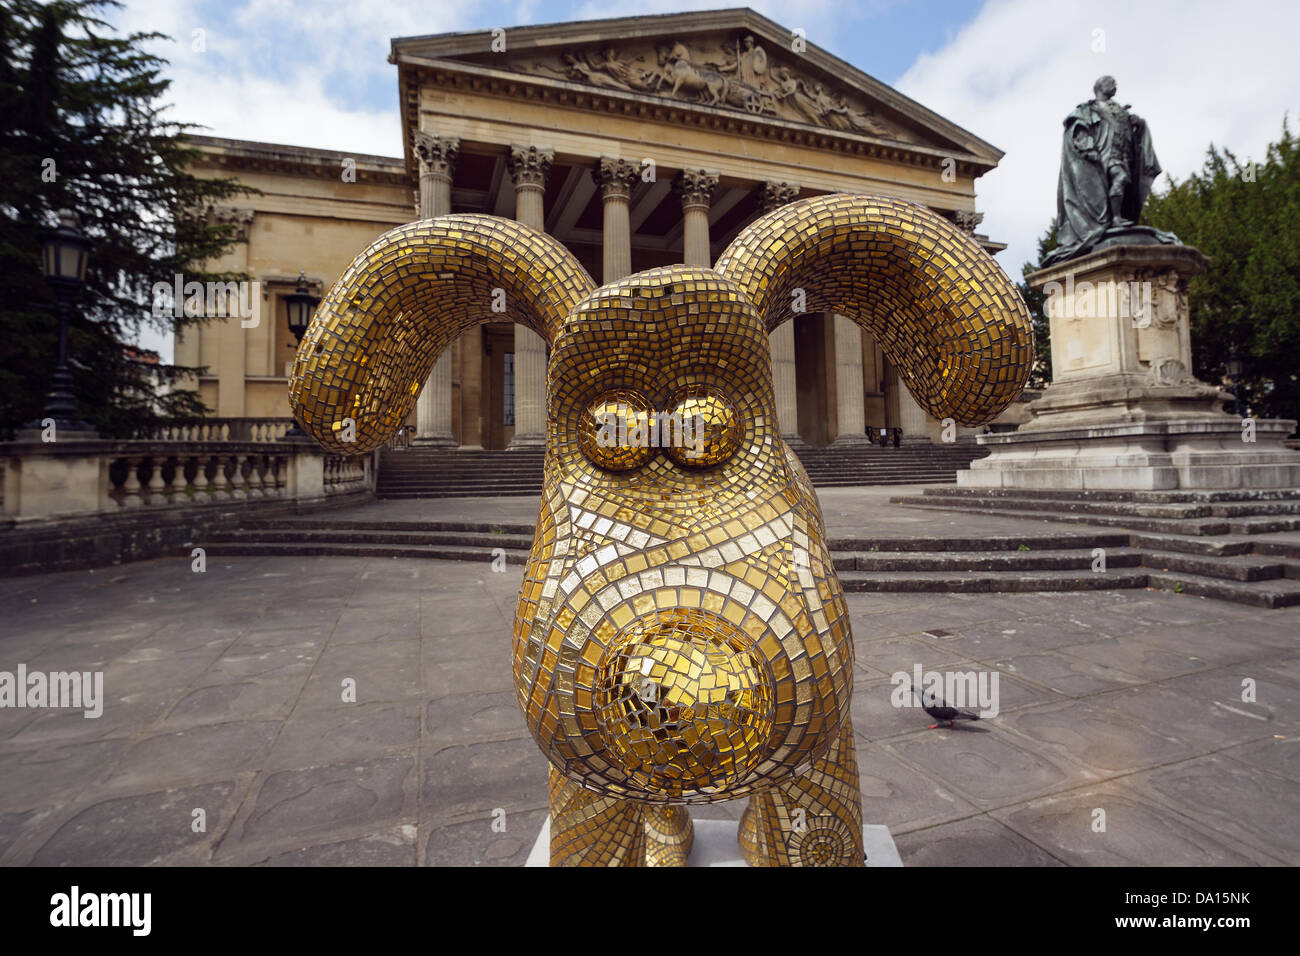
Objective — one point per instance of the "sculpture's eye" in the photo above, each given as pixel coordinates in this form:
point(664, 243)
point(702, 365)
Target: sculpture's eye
point(708, 426)
point(615, 431)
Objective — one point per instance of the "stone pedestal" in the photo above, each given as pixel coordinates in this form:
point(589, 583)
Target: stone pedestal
point(65, 477)
point(1124, 411)
point(716, 845)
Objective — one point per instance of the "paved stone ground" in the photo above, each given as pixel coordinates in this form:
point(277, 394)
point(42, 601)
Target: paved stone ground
point(224, 694)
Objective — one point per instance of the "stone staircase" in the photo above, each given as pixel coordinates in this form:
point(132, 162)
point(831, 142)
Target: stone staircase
point(445, 540)
point(843, 466)
point(451, 473)
point(1237, 545)
point(1175, 512)
point(444, 473)
point(1261, 569)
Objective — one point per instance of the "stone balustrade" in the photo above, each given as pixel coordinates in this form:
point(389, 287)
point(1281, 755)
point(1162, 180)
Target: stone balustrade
point(348, 474)
point(88, 502)
point(225, 429)
point(67, 479)
point(159, 475)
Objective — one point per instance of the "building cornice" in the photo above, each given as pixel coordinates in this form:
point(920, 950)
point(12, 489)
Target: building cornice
point(440, 53)
point(245, 156)
point(454, 74)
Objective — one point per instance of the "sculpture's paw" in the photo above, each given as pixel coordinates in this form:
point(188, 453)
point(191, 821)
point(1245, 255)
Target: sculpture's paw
point(750, 851)
point(670, 834)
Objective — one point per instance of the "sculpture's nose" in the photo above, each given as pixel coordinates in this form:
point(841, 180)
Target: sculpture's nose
point(685, 702)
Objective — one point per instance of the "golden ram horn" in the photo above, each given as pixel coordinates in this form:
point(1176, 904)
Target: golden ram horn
point(403, 301)
point(946, 315)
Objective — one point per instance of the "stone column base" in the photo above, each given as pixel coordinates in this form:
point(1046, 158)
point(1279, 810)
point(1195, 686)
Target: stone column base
point(1193, 453)
point(434, 441)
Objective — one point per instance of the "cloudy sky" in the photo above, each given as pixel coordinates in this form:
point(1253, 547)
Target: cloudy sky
point(1200, 71)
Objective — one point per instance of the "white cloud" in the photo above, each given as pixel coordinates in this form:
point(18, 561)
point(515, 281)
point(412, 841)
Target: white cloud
point(283, 71)
point(315, 74)
point(1199, 71)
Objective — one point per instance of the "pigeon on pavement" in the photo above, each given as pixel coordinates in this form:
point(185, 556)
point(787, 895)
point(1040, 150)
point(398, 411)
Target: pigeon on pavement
point(940, 711)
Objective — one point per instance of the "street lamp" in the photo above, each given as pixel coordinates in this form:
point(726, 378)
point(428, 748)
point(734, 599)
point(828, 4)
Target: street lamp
point(1233, 366)
point(64, 252)
point(300, 306)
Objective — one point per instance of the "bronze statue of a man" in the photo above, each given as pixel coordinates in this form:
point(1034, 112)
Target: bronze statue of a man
point(1107, 168)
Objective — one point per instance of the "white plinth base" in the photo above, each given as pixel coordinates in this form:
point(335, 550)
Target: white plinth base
point(1196, 454)
point(715, 845)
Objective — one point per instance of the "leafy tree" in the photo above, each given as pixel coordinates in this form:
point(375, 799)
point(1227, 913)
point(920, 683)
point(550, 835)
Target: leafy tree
point(84, 130)
point(1041, 373)
point(1246, 218)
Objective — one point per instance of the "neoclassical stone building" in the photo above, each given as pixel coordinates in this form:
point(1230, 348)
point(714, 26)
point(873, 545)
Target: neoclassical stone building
point(637, 142)
point(304, 218)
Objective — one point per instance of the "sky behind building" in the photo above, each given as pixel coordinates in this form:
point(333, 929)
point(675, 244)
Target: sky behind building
point(1200, 71)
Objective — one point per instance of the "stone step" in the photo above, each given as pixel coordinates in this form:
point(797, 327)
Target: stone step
point(467, 485)
point(1200, 526)
point(991, 581)
point(398, 539)
point(433, 472)
point(1279, 592)
point(1241, 567)
point(1139, 509)
point(337, 549)
point(421, 474)
point(483, 527)
point(462, 493)
point(881, 481)
point(465, 490)
point(1248, 508)
point(1003, 563)
point(1037, 541)
point(1281, 548)
point(1221, 547)
point(452, 454)
point(1263, 525)
point(963, 562)
point(1155, 497)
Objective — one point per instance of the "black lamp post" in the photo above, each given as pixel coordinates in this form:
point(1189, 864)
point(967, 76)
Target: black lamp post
point(300, 306)
point(64, 252)
point(1233, 366)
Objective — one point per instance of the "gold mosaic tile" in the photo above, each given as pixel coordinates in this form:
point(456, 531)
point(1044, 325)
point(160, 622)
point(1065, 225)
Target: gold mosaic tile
point(680, 636)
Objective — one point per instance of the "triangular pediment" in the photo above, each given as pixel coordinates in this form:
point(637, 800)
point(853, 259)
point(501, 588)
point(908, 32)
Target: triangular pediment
point(731, 60)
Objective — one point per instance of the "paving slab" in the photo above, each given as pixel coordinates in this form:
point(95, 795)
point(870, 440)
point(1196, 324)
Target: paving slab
point(223, 689)
point(1137, 831)
point(975, 841)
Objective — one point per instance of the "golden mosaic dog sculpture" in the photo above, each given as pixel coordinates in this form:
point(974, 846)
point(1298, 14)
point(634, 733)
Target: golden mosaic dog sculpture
point(681, 636)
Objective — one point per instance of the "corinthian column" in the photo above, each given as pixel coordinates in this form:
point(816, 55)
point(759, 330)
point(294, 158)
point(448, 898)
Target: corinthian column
point(850, 413)
point(615, 177)
point(437, 156)
point(695, 186)
point(773, 196)
point(529, 167)
point(912, 418)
